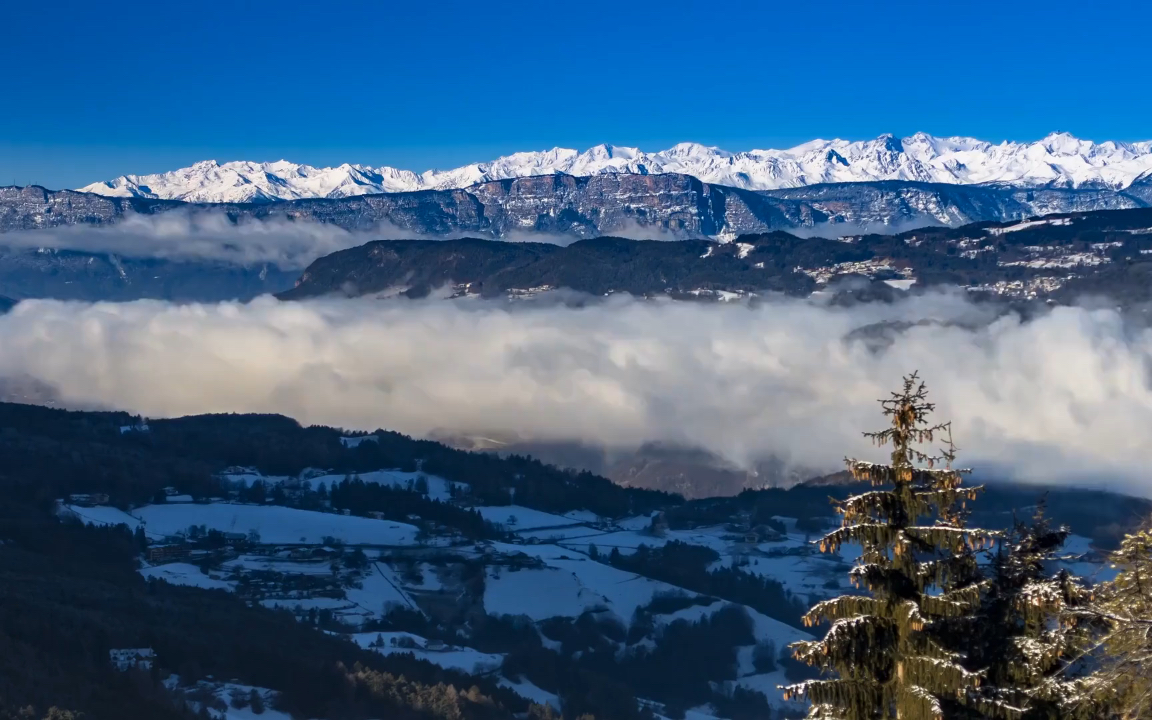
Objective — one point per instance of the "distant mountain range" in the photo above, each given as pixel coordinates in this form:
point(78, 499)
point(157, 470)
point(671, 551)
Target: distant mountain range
point(1057, 257)
point(673, 206)
point(1057, 161)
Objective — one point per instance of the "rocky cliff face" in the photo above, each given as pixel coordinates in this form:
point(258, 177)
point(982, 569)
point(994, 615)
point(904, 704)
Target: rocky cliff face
point(542, 207)
point(676, 205)
point(34, 208)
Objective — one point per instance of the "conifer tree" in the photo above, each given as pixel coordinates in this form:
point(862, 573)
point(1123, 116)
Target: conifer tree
point(1028, 632)
point(918, 567)
point(1123, 684)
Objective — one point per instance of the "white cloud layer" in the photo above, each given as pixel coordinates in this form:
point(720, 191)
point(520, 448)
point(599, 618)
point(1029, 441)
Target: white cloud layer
point(211, 235)
point(1063, 397)
point(180, 235)
point(293, 245)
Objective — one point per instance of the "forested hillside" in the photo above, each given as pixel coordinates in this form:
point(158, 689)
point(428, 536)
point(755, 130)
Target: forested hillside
point(1059, 257)
point(51, 453)
point(312, 573)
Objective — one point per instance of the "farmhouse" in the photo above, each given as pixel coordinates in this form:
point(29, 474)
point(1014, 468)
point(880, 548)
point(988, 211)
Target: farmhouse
point(167, 553)
point(88, 499)
point(125, 659)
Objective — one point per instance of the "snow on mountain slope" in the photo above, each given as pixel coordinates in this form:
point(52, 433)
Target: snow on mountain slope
point(1058, 160)
point(274, 523)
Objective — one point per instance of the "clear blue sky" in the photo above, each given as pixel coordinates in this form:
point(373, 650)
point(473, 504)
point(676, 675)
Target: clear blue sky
point(93, 90)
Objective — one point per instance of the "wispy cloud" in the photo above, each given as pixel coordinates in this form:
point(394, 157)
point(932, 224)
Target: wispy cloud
point(1063, 396)
point(199, 235)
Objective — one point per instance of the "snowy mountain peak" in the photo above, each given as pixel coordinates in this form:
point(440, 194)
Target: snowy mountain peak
point(1058, 160)
point(696, 150)
point(891, 143)
point(1064, 143)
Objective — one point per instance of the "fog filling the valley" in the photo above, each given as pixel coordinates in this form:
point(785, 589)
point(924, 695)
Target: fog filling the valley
point(1062, 397)
point(206, 235)
point(211, 236)
point(292, 245)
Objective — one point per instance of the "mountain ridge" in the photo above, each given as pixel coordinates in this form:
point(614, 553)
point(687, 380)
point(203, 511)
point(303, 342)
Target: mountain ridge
point(1058, 160)
point(1058, 259)
point(616, 203)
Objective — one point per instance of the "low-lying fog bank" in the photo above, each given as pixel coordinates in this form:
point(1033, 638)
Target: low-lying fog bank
point(1062, 396)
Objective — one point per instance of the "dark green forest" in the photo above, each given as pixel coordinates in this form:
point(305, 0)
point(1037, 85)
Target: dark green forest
point(51, 453)
point(69, 593)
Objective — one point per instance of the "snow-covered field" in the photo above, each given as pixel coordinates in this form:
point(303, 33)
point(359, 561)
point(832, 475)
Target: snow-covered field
point(1079, 558)
point(565, 535)
point(381, 590)
point(526, 689)
point(224, 693)
point(438, 487)
point(450, 657)
point(769, 684)
point(278, 565)
point(276, 524)
point(186, 574)
point(541, 593)
point(246, 476)
point(101, 515)
point(571, 584)
point(518, 518)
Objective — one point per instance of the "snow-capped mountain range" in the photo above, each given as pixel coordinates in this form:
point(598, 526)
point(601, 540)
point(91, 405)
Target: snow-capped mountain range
point(1059, 160)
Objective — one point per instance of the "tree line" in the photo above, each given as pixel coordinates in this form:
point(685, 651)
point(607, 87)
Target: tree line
point(51, 453)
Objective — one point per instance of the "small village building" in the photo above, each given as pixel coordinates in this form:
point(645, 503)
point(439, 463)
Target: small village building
point(125, 659)
point(768, 534)
point(88, 499)
point(167, 553)
point(140, 426)
point(659, 526)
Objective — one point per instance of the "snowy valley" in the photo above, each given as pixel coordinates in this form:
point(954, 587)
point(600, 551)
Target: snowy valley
point(463, 583)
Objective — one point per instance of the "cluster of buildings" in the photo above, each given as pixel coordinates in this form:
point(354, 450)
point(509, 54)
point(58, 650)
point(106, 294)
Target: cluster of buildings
point(125, 659)
point(87, 499)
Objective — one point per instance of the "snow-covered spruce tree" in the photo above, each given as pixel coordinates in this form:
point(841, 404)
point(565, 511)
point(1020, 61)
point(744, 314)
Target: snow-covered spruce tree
point(1122, 687)
point(1028, 634)
point(918, 567)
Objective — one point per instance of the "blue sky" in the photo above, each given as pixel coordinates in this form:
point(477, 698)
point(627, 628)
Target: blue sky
point(94, 90)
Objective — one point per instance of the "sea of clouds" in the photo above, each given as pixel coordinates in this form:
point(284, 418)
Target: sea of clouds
point(1063, 396)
